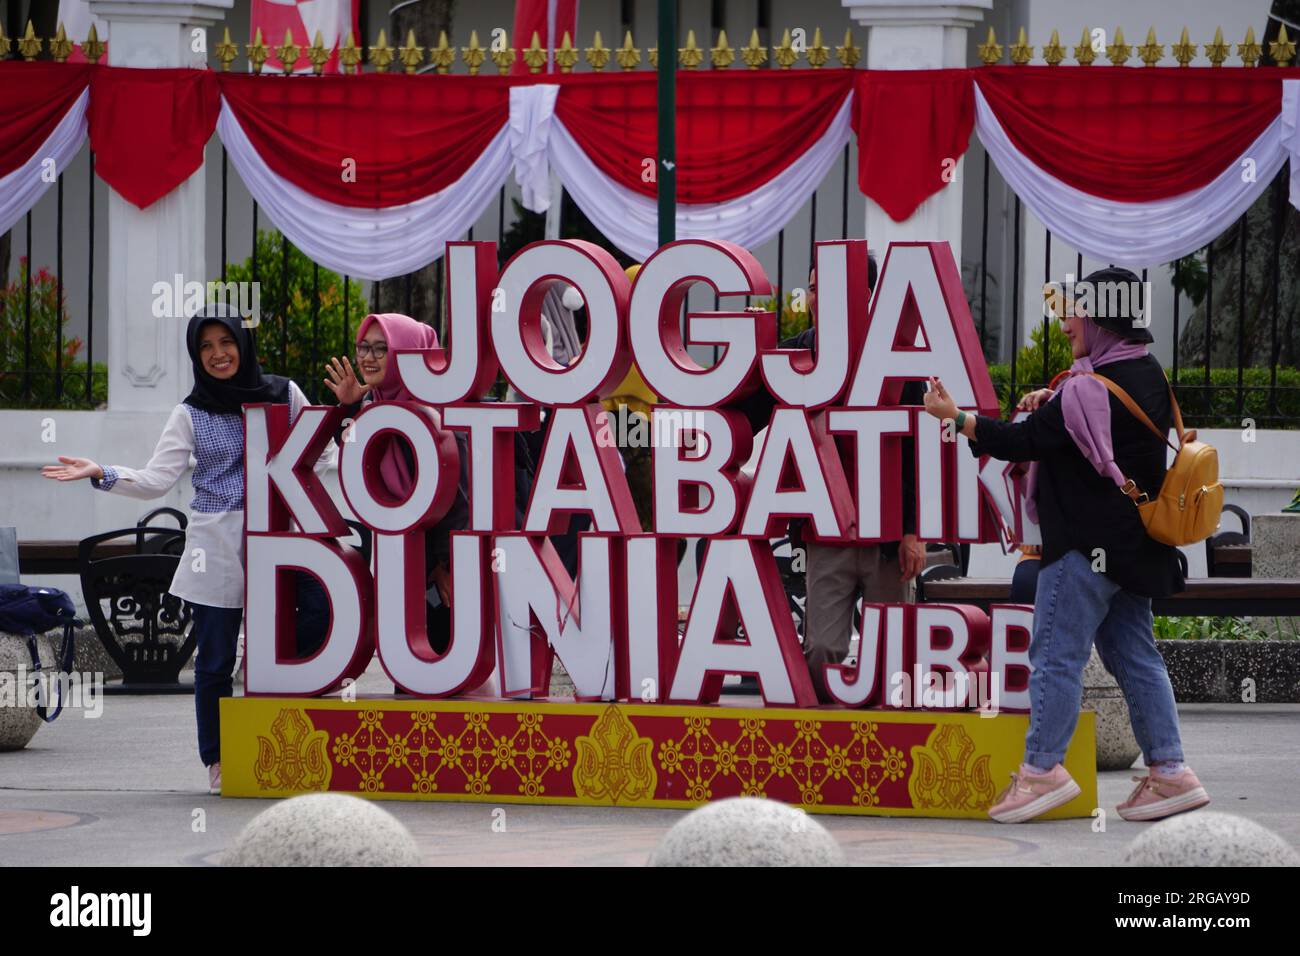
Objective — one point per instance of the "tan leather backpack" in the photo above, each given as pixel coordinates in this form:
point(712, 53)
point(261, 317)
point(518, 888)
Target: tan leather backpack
point(1190, 501)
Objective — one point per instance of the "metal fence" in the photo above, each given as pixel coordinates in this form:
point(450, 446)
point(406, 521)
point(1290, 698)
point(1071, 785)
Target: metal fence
point(1267, 392)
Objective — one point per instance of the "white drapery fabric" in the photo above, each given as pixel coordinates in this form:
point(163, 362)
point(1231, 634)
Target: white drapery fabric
point(1148, 233)
point(630, 220)
point(369, 243)
point(23, 188)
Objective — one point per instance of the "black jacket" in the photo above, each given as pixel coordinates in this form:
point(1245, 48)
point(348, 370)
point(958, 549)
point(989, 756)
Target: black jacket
point(1080, 510)
point(758, 409)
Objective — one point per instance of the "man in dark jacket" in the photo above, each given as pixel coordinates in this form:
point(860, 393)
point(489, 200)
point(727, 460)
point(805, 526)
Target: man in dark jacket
point(841, 575)
point(1099, 567)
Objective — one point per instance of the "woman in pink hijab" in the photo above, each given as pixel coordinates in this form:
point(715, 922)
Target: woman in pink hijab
point(377, 338)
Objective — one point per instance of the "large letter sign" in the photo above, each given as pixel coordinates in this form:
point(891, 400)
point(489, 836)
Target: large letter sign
point(830, 455)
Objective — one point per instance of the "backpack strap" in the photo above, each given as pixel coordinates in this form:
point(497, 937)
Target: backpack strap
point(1130, 488)
point(1127, 401)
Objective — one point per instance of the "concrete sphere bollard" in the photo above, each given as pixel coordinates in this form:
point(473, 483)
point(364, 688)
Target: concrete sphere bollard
point(18, 720)
point(1206, 838)
point(324, 829)
point(747, 831)
point(1117, 748)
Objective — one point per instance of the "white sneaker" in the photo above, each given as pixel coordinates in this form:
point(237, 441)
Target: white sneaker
point(214, 779)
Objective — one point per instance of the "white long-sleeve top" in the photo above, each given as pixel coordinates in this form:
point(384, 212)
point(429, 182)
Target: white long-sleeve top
point(212, 570)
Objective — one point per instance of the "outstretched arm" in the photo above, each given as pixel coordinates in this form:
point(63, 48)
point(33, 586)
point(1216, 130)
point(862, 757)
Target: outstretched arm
point(170, 458)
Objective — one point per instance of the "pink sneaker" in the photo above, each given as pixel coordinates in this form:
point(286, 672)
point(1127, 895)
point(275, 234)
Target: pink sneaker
point(1032, 795)
point(214, 779)
point(1158, 796)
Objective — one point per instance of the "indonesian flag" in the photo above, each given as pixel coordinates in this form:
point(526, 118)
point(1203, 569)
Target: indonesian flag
point(76, 19)
point(333, 18)
point(550, 20)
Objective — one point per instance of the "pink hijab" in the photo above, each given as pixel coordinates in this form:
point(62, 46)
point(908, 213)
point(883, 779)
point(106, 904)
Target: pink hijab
point(1085, 403)
point(401, 332)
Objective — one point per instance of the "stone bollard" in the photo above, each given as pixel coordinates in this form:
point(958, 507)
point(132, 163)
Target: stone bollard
point(747, 831)
point(1117, 748)
point(18, 720)
point(324, 829)
point(1206, 838)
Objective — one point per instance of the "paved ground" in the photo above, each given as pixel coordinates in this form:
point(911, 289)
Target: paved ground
point(127, 788)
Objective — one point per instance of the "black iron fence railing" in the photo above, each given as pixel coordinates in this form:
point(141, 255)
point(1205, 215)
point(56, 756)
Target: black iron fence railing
point(1234, 358)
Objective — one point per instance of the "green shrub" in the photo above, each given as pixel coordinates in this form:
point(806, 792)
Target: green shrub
point(289, 350)
point(44, 359)
point(1216, 408)
point(1208, 629)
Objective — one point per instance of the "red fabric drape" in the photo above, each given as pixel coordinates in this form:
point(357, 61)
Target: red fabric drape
point(735, 131)
point(34, 97)
point(542, 17)
point(1132, 135)
point(409, 136)
point(908, 123)
point(148, 128)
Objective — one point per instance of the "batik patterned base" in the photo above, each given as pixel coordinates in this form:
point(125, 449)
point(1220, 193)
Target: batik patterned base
point(913, 763)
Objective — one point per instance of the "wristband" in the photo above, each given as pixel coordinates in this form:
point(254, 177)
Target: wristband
point(960, 419)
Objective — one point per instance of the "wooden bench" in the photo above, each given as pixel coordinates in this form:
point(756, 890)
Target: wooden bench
point(1204, 597)
point(60, 557)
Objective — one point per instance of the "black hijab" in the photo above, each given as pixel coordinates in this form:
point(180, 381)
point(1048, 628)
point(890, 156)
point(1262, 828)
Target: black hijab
point(249, 385)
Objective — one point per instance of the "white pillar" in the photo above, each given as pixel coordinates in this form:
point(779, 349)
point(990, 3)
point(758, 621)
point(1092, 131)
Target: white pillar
point(148, 366)
point(918, 36)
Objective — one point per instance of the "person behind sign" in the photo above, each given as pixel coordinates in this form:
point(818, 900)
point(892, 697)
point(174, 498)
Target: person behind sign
point(377, 337)
point(209, 424)
point(841, 575)
point(1100, 569)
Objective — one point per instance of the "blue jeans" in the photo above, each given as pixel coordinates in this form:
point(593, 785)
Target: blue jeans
point(216, 631)
point(1074, 604)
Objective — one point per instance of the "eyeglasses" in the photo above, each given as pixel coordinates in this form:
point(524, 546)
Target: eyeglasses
point(365, 348)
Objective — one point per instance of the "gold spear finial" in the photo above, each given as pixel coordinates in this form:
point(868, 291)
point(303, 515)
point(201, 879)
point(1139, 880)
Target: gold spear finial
point(628, 56)
point(288, 52)
point(317, 54)
point(505, 56)
point(990, 50)
point(754, 55)
point(785, 55)
point(653, 55)
point(690, 56)
point(818, 54)
point(1184, 50)
point(1249, 50)
point(6, 43)
point(441, 56)
point(1151, 52)
point(1053, 52)
point(848, 54)
point(566, 57)
point(1119, 51)
point(381, 54)
point(30, 45)
point(412, 55)
point(1218, 50)
point(722, 55)
point(535, 54)
point(350, 55)
point(1021, 51)
point(226, 50)
point(93, 48)
point(61, 46)
point(473, 55)
point(1084, 54)
point(596, 55)
point(1282, 50)
point(257, 51)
